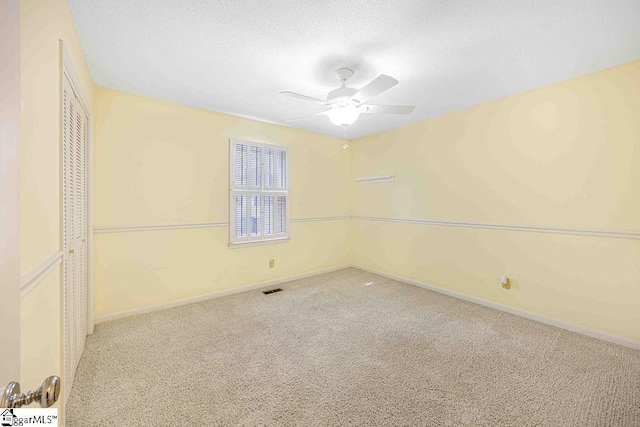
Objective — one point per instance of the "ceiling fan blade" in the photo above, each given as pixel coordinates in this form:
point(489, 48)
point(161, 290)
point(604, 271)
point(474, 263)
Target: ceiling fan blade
point(304, 98)
point(388, 109)
point(320, 113)
point(375, 88)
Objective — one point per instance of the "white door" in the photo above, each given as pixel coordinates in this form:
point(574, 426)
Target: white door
point(9, 191)
point(75, 207)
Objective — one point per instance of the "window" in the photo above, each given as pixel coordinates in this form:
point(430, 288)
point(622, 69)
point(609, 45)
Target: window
point(259, 202)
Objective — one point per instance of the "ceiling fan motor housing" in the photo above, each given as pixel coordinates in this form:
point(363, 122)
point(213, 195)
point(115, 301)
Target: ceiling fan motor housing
point(341, 95)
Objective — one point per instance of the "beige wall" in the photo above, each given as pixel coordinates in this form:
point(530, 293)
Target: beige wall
point(562, 156)
point(43, 24)
point(40, 333)
point(158, 163)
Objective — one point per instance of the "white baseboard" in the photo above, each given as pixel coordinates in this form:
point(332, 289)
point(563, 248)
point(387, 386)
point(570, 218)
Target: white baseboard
point(170, 304)
point(615, 339)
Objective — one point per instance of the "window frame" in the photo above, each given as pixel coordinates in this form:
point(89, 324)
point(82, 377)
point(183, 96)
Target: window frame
point(258, 191)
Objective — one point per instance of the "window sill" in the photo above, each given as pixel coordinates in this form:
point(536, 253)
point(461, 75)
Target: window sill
point(239, 245)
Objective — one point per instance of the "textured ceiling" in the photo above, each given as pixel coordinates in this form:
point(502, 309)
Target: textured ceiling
point(235, 56)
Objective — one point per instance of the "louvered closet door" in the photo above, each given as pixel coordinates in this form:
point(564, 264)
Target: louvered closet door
point(75, 137)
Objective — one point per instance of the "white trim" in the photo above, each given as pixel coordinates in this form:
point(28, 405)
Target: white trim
point(217, 294)
point(90, 283)
point(553, 230)
point(635, 235)
point(604, 336)
point(321, 218)
point(615, 339)
point(38, 274)
point(70, 70)
point(128, 228)
point(375, 179)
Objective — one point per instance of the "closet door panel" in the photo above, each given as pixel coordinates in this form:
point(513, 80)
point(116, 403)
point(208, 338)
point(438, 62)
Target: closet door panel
point(75, 208)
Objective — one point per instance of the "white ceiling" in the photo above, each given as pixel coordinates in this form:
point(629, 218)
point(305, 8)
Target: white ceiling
point(235, 56)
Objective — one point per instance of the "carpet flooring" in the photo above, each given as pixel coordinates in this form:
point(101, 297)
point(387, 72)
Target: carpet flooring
point(349, 348)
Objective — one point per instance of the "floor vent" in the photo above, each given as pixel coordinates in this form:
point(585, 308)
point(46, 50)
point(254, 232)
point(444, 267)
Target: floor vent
point(272, 291)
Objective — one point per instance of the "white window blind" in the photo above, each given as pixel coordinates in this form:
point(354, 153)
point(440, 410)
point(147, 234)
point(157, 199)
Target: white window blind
point(259, 201)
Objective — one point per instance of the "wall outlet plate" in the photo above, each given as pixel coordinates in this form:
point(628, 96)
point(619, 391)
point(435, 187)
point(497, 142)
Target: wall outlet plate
point(505, 282)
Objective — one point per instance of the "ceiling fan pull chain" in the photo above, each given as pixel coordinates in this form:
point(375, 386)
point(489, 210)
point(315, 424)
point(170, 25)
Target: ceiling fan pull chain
point(346, 143)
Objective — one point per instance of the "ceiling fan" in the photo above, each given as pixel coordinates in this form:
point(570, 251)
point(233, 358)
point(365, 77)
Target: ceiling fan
point(346, 104)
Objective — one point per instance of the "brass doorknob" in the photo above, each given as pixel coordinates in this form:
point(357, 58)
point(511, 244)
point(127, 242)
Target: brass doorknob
point(47, 394)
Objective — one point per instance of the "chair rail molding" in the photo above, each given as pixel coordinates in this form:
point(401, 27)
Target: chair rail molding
point(177, 226)
point(32, 279)
point(635, 235)
point(375, 179)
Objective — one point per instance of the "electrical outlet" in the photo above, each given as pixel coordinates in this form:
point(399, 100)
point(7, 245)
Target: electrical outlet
point(272, 263)
point(505, 282)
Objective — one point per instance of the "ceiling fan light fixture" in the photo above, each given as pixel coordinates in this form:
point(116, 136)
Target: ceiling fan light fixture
point(343, 116)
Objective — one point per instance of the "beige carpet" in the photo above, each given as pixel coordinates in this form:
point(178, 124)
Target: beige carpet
point(331, 351)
